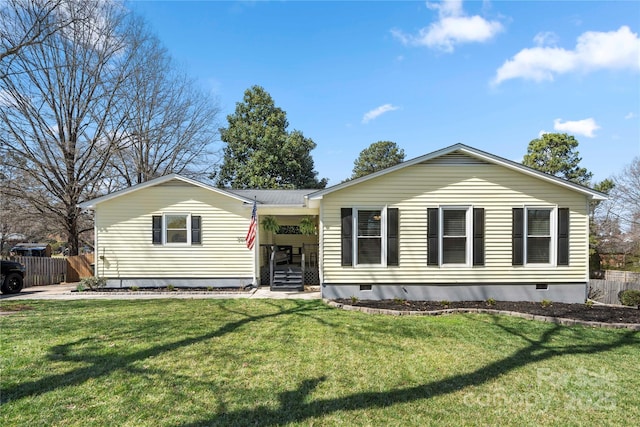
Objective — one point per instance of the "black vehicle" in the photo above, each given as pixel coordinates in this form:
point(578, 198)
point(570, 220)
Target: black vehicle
point(12, 277)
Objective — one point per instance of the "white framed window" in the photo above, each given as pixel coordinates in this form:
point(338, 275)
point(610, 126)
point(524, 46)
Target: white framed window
point(455, 232)
point(539, 232)
point(177, 228)
point(370, 230)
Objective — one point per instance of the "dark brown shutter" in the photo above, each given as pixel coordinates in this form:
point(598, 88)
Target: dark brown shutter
point(478, 236)
point(432, 236)
point(157, 230)
point(392, 236)
point(517, 236)
point(563, 236)
point(196, 230)
point(347, 236)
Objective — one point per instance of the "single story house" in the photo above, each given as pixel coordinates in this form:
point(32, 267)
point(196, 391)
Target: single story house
point(455, 224)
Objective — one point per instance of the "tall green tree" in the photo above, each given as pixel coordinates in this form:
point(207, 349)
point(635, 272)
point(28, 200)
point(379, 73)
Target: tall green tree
point(260, 152)
point(379, 155)
point(557, 154)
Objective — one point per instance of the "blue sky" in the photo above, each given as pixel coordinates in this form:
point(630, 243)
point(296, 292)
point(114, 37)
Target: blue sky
point(425, 75)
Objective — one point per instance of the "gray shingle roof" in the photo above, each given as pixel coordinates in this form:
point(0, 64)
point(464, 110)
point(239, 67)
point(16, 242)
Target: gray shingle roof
point(274, 197)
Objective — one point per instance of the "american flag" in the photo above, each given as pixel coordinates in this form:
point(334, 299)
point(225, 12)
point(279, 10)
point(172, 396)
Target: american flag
point(251, 234)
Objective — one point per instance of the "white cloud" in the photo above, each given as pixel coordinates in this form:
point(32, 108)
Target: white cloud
point(377, 112)
point(594, 50)
point(546, 38)
point(585, 127)
point(452, 28)
point(631, 115)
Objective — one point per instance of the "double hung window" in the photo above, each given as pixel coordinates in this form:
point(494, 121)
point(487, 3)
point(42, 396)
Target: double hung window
point(369, 237)
point(176, 229)
point(454, 236)
point(538, 247)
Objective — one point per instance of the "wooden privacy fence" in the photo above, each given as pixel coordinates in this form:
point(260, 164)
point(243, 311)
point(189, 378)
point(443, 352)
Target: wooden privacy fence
point(43, 271)
point(79, 266)
point(607, 290)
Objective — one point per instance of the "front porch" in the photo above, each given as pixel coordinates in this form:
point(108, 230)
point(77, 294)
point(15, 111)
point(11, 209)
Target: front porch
point(287, 267)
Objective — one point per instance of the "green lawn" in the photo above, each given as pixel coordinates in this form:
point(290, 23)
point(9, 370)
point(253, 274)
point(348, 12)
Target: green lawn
point(293, 362)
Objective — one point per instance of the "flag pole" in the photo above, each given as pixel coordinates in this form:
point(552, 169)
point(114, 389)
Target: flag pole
point(252, 236)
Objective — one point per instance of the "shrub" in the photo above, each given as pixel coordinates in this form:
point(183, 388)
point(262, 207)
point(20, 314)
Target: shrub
point(546, 303)
point(589, 303)
point(630, 297)
point(398, 300)
point(94, 283)
point(80, 287)
point(491, 302)
point(170, 287)
point(135, 288)
point(354, 299)
point(444, 303)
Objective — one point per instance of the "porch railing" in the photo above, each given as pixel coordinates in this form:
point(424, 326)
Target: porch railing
point(308, 262)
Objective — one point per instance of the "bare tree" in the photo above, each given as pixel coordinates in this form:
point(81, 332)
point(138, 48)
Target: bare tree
point(171, 125)
point(25, 23)
point(60, 113)
point(616, 222)
point(626, 194)
point(19, 220)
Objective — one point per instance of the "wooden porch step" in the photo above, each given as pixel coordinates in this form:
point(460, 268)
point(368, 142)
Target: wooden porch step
point(287, 278)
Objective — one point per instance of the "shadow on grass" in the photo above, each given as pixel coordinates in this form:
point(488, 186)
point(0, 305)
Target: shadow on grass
point(293, 407)
point(101, 365)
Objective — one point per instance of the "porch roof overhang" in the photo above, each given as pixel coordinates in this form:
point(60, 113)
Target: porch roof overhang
point(287, 210)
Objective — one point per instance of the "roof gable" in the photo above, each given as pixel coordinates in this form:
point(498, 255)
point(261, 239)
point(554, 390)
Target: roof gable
point(460, 154)
point(167, 180)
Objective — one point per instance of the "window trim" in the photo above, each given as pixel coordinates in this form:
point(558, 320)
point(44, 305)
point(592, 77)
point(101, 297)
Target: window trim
point(383, 236)
point(468, 245)
point(553, 236)
point(187, 227)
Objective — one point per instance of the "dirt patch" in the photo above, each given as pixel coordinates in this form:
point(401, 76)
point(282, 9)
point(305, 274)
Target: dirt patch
point(582, 312)
point(14, 308)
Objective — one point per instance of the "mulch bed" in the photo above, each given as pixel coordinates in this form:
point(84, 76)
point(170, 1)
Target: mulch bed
point(176, 289)
point(582, 312)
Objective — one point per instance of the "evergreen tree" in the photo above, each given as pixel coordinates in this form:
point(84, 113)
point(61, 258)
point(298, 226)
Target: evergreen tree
point(379, 155)
point(556, 154)
point(260, 153)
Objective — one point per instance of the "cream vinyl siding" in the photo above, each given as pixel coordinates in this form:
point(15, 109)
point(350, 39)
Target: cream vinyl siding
point(433, 184)
point(124, 235)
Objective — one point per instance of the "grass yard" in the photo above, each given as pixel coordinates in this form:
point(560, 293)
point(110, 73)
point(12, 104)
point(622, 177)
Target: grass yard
point(294, 362)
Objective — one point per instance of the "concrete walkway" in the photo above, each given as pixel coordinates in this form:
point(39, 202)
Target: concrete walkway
point(64, 292)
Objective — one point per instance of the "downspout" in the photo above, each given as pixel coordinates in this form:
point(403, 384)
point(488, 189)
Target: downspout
point(588, 210)
point(321, 249)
